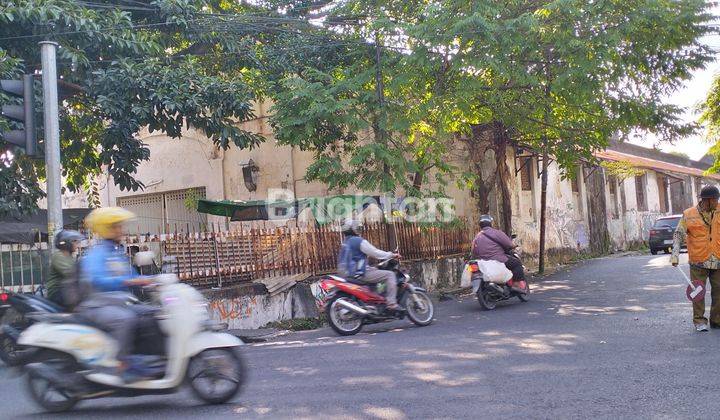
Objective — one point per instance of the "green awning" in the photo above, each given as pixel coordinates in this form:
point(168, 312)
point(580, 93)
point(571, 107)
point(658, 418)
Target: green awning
point(324, 209)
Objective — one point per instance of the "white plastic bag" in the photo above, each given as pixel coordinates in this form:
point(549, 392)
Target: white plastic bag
point(466, 277)
point(494, 271)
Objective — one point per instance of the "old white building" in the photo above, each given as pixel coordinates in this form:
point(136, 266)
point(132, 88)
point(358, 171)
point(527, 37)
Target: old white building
point(182, 170)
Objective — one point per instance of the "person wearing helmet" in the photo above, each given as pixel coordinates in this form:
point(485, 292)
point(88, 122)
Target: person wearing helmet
point(62, 281)
point(352, 261)
point(494, 244)
point(109, 275)
point(696, 227)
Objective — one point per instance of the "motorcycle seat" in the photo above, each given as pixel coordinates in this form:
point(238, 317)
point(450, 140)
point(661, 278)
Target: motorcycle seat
point(65, 318)
point(357, 281)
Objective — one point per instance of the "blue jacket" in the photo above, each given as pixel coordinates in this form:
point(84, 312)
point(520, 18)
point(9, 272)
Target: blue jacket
point(352, 262)
point(106, 267)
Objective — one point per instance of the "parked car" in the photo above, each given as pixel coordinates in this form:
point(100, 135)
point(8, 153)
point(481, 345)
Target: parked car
point(661, 234)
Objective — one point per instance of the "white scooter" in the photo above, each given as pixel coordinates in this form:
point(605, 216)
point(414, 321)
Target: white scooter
point(78, 361)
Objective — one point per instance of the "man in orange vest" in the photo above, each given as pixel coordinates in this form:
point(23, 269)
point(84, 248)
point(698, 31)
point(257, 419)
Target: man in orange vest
point(700, 226)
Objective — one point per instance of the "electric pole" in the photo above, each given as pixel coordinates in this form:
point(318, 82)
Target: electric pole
point(48, 51)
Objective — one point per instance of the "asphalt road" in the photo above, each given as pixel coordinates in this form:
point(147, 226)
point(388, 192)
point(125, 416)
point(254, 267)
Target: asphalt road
point(609, 338)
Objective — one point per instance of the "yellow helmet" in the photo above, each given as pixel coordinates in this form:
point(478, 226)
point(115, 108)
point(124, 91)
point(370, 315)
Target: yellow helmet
point(101, 220)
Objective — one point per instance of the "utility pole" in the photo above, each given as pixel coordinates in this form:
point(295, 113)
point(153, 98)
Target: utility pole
point(48, 51)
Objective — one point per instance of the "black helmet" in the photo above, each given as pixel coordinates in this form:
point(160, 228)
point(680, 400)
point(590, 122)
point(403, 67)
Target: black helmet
point(710, 191)
point(65, 238)
point(486, 220)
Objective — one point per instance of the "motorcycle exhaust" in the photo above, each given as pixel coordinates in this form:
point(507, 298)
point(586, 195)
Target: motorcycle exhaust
point(352, 307)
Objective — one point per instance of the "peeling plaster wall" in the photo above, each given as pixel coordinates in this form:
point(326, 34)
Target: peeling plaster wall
point(250, 306)
point(566, 227)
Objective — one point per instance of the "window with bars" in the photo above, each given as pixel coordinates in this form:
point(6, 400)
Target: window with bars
point(526, 174)
point(641, 192)
point(662, 182)
point(164, 212)
point(575, 181)
point(614, 202)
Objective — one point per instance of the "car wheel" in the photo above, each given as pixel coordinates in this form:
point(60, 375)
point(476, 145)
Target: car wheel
point(653, 251)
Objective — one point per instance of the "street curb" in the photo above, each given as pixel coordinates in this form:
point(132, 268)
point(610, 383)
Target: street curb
point(257, 336)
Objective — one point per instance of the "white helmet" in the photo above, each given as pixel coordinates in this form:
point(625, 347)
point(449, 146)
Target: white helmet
point(351, 226)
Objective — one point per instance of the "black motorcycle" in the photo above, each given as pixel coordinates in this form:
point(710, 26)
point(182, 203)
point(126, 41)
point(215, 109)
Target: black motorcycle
point(14, 319)
point(490, 293)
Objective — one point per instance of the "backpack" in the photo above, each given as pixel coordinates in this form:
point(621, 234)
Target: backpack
point(352, 262)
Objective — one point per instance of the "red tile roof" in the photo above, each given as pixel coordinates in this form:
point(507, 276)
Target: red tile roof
point(643, 162)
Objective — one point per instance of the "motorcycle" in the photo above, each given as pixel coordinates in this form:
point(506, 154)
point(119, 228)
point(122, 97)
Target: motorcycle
point(489, 293)
point(77, 359)
point(14, 308)
point(349, 303)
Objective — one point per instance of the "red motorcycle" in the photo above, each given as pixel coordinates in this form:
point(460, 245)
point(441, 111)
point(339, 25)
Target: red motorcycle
point(350, 303)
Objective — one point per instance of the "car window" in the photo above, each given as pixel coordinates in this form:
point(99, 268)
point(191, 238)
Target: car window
point(672, 222)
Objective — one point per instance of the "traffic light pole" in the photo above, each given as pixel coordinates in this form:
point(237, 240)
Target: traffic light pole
point(48, 50)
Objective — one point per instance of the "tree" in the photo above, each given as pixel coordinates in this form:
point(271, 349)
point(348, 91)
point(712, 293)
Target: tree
point(161, 64)
point(557, 77)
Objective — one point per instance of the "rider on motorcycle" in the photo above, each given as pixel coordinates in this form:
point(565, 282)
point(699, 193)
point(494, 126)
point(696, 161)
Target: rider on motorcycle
point(106, 269)
point(352, 261)
point(494, 244)
point(62, 283)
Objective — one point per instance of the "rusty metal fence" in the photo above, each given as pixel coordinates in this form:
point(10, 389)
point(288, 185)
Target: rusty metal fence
point(216, 258)
point(221, 258)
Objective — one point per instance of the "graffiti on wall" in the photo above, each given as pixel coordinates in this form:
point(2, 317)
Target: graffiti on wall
point(233, 309)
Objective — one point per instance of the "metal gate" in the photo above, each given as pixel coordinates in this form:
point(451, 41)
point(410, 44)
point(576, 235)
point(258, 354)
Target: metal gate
point(164, 212)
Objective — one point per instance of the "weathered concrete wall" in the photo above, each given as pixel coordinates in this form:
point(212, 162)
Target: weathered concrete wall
point(566, 227)
point(250, 306)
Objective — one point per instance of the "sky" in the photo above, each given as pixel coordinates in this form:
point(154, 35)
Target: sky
point(689, 97)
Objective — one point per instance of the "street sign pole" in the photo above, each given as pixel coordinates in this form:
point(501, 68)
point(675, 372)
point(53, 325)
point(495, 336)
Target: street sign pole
point(48, 50)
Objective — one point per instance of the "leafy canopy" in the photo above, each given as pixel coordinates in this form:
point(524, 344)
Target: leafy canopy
point(562, 75)
point(159, 64)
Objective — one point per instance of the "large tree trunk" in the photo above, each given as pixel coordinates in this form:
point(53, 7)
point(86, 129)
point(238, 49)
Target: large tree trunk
point(486, 138)
point(501, 141)
point(597, 211)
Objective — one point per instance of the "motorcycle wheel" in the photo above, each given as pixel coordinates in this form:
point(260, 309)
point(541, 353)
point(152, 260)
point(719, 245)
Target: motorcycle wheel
point(48, 395)
point(419, 308)
point(214, 367)
point(486, 301)
point(10, 352)
point(343, 321)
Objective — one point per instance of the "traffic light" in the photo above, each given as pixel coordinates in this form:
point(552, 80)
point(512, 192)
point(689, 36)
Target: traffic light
point(25, 113)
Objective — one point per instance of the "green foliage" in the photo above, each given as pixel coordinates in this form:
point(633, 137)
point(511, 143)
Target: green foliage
point(163, 65)
point(621, 169)
point(191, 200)
point(563, 75)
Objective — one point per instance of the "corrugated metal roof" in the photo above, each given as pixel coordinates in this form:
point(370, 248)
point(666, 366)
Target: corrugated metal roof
point(643, 162)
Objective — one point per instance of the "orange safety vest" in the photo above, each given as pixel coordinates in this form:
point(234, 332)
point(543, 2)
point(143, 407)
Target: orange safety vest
point(703, 240)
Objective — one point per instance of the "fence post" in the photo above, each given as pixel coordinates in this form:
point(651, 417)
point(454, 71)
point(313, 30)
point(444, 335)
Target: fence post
point(2, 268)
point(32, 275)
point(217, 259)
point(12, 268)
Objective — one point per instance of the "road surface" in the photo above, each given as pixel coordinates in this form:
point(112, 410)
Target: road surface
point(609, 338)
